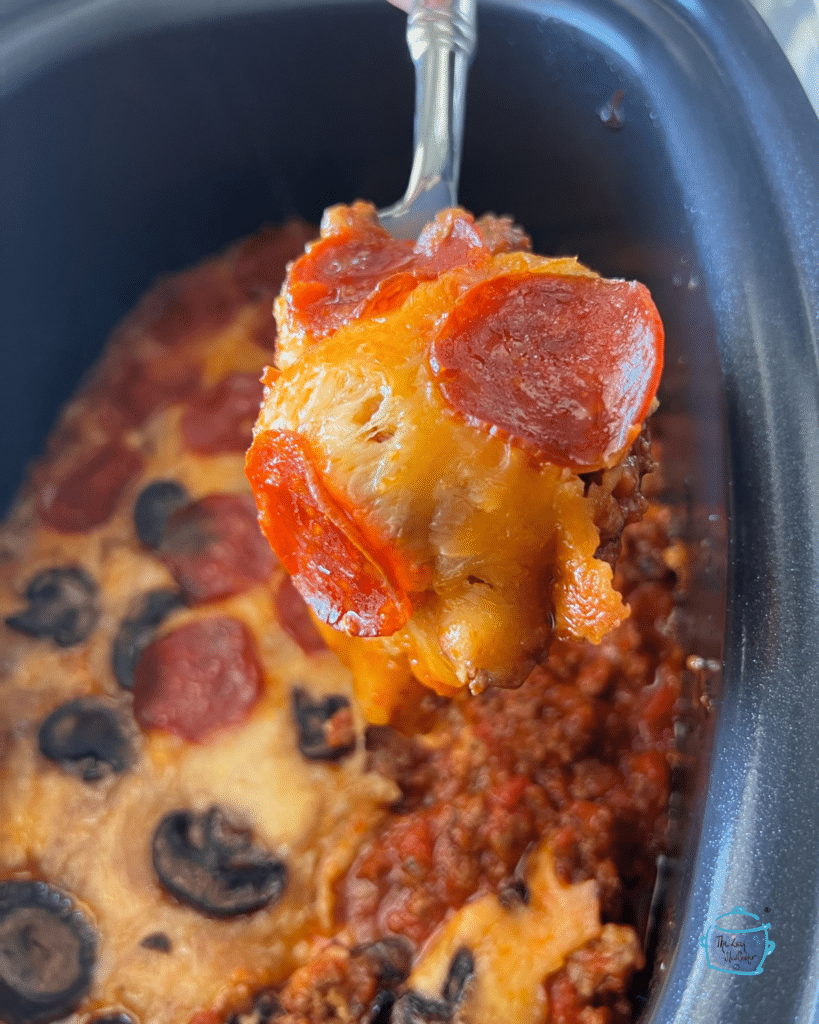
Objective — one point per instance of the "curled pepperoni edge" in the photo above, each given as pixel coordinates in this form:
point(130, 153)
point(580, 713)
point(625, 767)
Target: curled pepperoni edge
point(321, 299)
point(329, 559)
point(381, 271)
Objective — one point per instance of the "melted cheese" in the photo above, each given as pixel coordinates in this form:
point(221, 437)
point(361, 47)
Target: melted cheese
point(95, 838)
point(514, 950)
point(493, 545)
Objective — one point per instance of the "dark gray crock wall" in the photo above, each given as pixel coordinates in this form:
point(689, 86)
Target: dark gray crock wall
point(138, 135)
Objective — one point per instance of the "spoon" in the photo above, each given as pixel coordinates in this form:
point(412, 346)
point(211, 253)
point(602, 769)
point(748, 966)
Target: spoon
point(441, 38)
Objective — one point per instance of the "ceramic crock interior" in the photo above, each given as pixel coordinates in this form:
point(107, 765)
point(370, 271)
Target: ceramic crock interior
point(139, 148)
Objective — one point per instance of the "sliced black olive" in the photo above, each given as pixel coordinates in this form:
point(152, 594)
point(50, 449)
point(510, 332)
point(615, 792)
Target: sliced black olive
point(113, 1018)
point(380, 1010)
point(86, 737)
point(266, 1007)
point(158, 941)
point(314, 722)
point(47, 951)
point(390, 960)
point(412, 1008)
point(514, 894)
point(154, 506)
point(214, 865)
point(460, 971)
point(135, 633)
point(61, 606)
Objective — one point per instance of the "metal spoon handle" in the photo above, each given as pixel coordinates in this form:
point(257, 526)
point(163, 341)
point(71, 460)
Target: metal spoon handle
point(441, 37)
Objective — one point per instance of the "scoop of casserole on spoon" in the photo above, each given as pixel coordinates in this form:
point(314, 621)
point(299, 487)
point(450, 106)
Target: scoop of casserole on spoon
point(451, 442)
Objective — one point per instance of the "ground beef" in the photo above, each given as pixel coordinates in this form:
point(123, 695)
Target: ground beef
point(618, 496)
point(579, 753)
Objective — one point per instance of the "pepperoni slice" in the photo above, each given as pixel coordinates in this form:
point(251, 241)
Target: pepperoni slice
point(358, 269)
point(294, 617)
point(329, 285)
point(199, 678)
point(147, 384)
point(221, 419)
point(214, 548)
point(182, 305)
point(346, 583)
point(451, 240)
point(389, 294)
point(568, 364)
point(87, 494)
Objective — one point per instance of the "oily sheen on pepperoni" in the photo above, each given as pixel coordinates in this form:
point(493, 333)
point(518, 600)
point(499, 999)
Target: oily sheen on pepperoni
point(358, 270)
point(568, 364)
point(326, 554)
point(328, 285)
point(201, 677)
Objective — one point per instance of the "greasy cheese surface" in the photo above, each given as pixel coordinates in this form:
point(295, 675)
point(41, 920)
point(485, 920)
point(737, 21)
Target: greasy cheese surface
point(489, 547)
